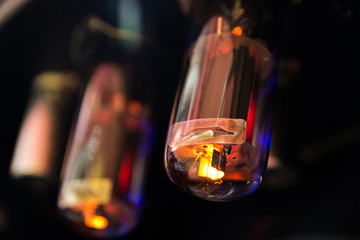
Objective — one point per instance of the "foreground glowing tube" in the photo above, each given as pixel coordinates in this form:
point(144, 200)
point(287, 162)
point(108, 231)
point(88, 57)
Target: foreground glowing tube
point(102, 175)
point(219, 134)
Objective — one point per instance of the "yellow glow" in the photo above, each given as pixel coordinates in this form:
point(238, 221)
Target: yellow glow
point(205, 168)
point(91, 219)
point(237, 31)
point(215, 174)
point(95, 221)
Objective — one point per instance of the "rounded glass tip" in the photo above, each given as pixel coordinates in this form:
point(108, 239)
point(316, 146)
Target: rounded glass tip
point(213, 163)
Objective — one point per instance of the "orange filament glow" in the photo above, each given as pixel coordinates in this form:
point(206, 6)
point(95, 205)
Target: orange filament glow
point(237, 31)
point(219, 25)
point(135, 108)
point(91, 219)
point(97, 222)
point(118, 101)
point(205, 168)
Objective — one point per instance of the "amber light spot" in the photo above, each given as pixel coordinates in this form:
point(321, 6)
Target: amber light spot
point(91, 219)
point(205, 168)
point(135, 108)
point(118, 101)
point(237, 31)
point(219, 26)
point(97, 222)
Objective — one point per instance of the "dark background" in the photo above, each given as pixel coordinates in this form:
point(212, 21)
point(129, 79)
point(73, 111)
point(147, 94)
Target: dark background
point(314, 195)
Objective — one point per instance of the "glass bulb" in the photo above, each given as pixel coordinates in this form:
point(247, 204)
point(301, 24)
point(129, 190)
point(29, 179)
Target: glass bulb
point(220, 129)
point(48, 117)
point(104, 168)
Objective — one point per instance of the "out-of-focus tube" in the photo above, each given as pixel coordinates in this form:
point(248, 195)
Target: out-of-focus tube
point(102, 178)
point(41, 142)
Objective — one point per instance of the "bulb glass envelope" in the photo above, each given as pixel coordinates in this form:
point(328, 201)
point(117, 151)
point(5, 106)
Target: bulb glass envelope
point(220, 129)
point(105, 164)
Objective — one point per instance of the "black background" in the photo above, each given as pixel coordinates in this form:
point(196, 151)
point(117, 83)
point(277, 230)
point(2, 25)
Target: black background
point(316, 129)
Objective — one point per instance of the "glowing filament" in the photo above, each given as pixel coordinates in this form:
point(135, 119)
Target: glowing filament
point(237, 31)
point(219, 26)
point(97, 222)
point(205, 168)
point(91, 219)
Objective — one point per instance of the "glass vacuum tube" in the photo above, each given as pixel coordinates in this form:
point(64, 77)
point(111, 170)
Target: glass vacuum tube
point(104, 168)
point(220, 129)
point(37, 160)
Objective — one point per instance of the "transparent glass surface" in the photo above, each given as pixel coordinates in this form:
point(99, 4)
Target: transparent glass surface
point(220, 129)
point(48, 117)
point(103, 172)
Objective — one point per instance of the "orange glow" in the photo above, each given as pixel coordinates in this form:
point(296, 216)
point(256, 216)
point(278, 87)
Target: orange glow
point(205, 168)
point(91, 219)
point(219, 25)
point(237, 31)
point(97, 222)
point(135, 108)
point(118, 101)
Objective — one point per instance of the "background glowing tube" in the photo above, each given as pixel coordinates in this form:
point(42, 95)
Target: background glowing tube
point(39, 148)
point(222, 115)
point(102, 178)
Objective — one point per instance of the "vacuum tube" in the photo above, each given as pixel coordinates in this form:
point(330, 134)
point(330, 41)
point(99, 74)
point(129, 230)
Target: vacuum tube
point(220, 129)
point(104, 167)
point(37, 160)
